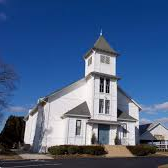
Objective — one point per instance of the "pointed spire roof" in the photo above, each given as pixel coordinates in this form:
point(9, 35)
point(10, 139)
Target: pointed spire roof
point(103, 46)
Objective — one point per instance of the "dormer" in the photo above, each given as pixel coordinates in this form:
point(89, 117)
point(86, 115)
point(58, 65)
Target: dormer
point(101, 58)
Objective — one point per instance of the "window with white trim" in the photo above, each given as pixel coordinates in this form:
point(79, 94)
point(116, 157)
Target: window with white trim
point(78, 127)
point(90, 61)
point(124, 130)
point(107, 106)
point(101, 105)
point(107, 85)
point(101, 84)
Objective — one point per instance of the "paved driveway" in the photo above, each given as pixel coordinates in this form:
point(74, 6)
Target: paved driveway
point(148, 162)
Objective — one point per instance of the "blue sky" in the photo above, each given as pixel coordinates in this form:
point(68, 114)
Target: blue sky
point(45, 41)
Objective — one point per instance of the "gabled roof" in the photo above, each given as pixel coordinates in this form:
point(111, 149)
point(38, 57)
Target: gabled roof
point(58, 91)
point(103, 46)
point(124, 116)
point(129, 97)
point(148, 127)
point(71, 85)
point(80, 110)
point(79, 82)
point(143, 128)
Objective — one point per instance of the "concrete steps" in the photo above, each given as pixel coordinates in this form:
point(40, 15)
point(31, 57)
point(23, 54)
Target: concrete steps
point(117, 151)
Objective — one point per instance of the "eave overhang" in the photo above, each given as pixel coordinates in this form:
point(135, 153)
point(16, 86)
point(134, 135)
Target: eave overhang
point(94, 49)
point(94, 121)
point(102, 75)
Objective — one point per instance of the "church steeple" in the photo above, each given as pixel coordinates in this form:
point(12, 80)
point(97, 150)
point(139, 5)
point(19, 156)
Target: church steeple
point(102, 45)
point(101, 58)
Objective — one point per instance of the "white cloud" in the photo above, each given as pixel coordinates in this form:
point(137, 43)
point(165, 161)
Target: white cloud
point(14, 109)
point(162, 106)
point(155, 108)
point(144, 121)
point(163, 120)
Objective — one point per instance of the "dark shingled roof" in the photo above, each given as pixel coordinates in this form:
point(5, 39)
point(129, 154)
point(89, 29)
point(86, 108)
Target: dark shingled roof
point(147, 127)
point(124, 116)
point(143, 128)
point(80, 110)
point(102, 44)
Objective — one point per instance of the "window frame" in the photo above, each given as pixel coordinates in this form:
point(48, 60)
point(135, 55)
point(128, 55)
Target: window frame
point(78, 128)
point(107, 85)
point(89, 61)
point(107, 60)
point(102, 58)
point(101, 85)
point(107, 106)
point(101, 106)
point(124, 130)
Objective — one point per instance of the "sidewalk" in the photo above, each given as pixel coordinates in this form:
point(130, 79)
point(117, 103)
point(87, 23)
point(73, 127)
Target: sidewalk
point(32, 156)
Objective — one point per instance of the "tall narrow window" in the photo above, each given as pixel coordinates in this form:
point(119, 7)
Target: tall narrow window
point(78, 127)
point(90, 61)
point(101, 84)
point(107, 106)
point(107, 85)
point(125, 130)
point(101, 105)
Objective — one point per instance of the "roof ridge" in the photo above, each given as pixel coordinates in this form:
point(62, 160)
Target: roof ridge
point(102, 44)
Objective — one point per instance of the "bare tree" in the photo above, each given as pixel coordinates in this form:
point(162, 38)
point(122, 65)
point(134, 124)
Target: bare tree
point(8, 79)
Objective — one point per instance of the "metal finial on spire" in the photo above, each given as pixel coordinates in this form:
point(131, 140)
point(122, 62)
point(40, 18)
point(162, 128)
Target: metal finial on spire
point(101, 32)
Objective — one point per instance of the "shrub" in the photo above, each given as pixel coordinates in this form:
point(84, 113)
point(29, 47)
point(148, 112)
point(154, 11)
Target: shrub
point(2, 148)
point(81, 149)
point(26, 147)
point(117, 140)
point(93, 139)
point(57, 150)
point(94, 150)
point(142, 150)
point(73, 149)
point(65, 148)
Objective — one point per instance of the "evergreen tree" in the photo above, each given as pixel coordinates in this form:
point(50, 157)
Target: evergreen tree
point(13, 131)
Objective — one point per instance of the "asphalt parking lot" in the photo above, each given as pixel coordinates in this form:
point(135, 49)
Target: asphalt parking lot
point(137, 162)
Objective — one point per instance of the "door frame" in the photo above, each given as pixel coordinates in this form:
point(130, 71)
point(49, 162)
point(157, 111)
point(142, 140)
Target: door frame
point(107, 126)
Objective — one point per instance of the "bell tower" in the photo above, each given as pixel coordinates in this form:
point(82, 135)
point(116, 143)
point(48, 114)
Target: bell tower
point(101, 58)
point(100, 73)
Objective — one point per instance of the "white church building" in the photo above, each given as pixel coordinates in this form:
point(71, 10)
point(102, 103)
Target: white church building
point(91, 110)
